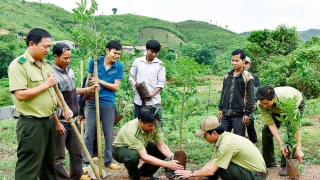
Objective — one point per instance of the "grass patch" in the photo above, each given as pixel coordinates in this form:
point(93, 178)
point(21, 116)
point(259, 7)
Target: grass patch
point(8, 146)
point(307, 122)
point(311, 107)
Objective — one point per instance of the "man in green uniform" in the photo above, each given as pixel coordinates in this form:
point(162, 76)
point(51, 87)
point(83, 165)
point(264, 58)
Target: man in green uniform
point(268, 106)
point(35, 100)
point(142, 139)
point(233, 157)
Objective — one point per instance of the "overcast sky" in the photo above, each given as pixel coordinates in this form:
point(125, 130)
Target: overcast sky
point(239, 15)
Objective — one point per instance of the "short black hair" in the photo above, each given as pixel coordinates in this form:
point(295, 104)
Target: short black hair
point(36, 35)
point(113, 44)
point(153, 45)
point(59, 48)
point(241, 52)
point(148, 114)
point(220, 129)
point(265, 92)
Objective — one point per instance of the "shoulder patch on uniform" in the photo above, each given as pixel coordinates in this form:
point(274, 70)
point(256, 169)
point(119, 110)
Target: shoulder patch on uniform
point(22, 60)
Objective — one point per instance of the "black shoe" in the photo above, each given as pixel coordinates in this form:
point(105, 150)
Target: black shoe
point(271, 165)
point(154, 177)
point(283, 171)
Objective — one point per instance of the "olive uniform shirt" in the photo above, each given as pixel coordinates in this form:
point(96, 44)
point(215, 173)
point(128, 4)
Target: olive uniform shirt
point(238, 150)
point(281, 94)
point(132, 135)
point(23, 74)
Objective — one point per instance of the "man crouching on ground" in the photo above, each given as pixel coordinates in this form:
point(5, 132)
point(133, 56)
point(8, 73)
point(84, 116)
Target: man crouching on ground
point(142, 139)
point(233, 157)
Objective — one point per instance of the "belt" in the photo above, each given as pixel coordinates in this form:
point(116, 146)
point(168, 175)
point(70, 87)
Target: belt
point(34, 117)
point(262, 174)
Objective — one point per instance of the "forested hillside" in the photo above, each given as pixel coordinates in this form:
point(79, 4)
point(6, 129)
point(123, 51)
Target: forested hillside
point(206, 43)
point(308, 34)
point(20, 17)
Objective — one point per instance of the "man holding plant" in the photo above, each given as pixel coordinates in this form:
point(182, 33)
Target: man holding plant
point(142, 139)
point(233, 157)
point(66, 137)
point(269, 104)
point(110, 73)
point(149, 69)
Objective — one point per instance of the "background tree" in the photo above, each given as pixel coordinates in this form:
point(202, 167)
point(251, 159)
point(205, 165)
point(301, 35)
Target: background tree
point(114, 10)
point(93, 41)
point(201, 54)
point(265, 43)
point(279, 59)
point(6, 57)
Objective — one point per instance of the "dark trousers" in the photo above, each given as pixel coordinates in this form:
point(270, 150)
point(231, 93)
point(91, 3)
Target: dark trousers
point(70, 141)
point(252, 132)
point(36, 149)
point(267, 139)
point(235, 122)
point(268, 144)
point(236, 172)
point(130, 158)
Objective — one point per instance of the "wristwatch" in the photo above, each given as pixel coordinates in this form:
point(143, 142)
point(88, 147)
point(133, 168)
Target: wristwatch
point(192, 172)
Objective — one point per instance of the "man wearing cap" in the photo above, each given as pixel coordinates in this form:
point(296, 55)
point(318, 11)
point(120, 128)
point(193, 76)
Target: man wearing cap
point(246, 66)
point(233, 157)
point(250, 126)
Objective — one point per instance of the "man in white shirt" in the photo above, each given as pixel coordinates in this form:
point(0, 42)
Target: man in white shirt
point(148, 69)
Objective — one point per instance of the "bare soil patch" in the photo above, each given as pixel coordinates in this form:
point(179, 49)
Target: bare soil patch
point(311, 172)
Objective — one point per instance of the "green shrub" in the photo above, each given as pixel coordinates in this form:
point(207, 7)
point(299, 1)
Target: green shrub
point(274, 71)
point(307, 122)
point(4, 82)
point(8, 37)
point(305, 75)
point(290, 120)
point(5, 97)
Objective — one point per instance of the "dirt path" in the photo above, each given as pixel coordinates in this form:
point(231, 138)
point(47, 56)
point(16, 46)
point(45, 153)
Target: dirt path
point(311, 172)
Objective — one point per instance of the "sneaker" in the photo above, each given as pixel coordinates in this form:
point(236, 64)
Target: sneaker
point(283, 172)
point(84, 169)
point(85, 177)
point(113, 166)
point(271, 165)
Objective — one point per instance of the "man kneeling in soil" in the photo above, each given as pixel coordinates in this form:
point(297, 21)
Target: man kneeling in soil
point(233, 157)
point(142, 139)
